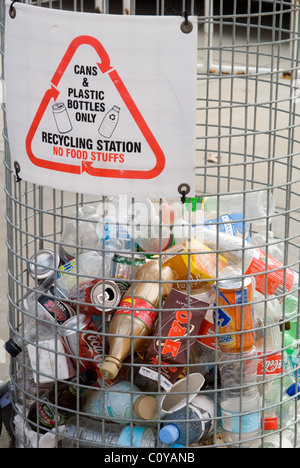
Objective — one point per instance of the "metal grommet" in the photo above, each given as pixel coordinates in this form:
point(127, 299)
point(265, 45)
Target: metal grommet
point(184, 189)
point(12, 10)
point(186, 27)
point(17, 171)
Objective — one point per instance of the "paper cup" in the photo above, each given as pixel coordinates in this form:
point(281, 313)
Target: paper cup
point(182, 393)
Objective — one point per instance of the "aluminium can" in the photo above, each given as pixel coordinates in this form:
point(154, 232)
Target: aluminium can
point(234, 315)
point(42, 265)
point(96, 297)
point(84, 345)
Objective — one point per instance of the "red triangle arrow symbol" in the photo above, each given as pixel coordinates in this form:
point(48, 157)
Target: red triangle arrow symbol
point(53, 93)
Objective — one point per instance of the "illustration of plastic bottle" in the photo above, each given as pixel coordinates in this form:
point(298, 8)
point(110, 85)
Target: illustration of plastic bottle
point(187, 427)
point(109, 123)
point(122, 401)
point(61, 117)
point(84, 432)
point(136, 314)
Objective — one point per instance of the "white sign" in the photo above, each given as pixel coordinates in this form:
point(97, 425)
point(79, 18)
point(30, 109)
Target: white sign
point(101, 104)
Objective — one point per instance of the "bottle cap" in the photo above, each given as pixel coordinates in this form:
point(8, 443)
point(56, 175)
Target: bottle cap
point(110, 367)
point(12, 348)
point(145, 407)
point(294, 390)
point(169, 434)
point(88, 377)
point(270, 424)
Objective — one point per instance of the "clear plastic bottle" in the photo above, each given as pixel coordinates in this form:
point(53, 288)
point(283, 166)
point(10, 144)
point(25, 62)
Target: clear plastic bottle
point(189, 425)
point(273, 439)
point(136, 314)
point(258, 205)
point(150, 234)
point(240, 399)
point(79, 233)
point(38, 325)
point(89, 264)
point(251, 261)
point(84, 432)
point(121, 401)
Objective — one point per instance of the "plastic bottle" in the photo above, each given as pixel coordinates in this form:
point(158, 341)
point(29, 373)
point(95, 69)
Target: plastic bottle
point(258, 205)
point(290, 312)
point(89, 264)
point(84, 432)
point(240, 399)
point(60, 402)
point(39, 323)
point(274, 368)
point(204, 354)
point(113, 228)
point(151, 235)
point(122, 401)
point(251, 261)
point(189, 425)
point(79, 233)
point(136, 314)
point(272, 439)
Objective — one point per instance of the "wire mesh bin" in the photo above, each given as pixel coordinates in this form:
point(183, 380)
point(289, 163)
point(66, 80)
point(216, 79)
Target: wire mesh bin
point(149, 323)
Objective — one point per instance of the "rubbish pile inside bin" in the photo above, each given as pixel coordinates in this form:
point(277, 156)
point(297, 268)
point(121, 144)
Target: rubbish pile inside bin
point(160, 324)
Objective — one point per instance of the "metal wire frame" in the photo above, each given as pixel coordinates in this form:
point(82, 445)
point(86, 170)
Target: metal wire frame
point(247, 141)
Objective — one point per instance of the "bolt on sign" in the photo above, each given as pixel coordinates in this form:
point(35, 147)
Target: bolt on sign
point(101, 104)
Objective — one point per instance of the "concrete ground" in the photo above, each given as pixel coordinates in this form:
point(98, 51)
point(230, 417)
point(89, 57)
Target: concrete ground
point(241, 91)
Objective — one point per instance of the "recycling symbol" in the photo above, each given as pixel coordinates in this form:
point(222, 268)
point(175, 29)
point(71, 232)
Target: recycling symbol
point(106, 128)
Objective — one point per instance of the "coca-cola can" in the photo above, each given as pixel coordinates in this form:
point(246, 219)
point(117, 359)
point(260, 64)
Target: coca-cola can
point(84, 344)
point(95, 297)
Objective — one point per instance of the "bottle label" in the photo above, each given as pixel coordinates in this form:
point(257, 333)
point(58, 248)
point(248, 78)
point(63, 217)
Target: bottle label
point(233, 225)
point(208, 337)
point(278, 276)
point(235, 422)
point(205, 414)
point(270, 364)
point(131, 437)
point(148, 316)
point(48, 414)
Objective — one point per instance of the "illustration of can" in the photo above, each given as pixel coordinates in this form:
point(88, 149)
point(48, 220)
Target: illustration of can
point(109, 122)
point(61, 117)
point(235, 315)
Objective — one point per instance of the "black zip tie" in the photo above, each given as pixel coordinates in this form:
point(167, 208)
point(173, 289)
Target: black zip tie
point(17, 171)
point(184, 189)
point(186, 27)
point(12, 10)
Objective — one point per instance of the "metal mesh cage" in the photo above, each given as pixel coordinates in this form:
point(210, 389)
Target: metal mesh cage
point(221, 369)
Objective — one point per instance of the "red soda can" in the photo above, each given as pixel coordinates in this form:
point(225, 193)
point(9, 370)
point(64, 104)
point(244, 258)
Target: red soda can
point(84, 344)
point(234, 314)
point(95, 296)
